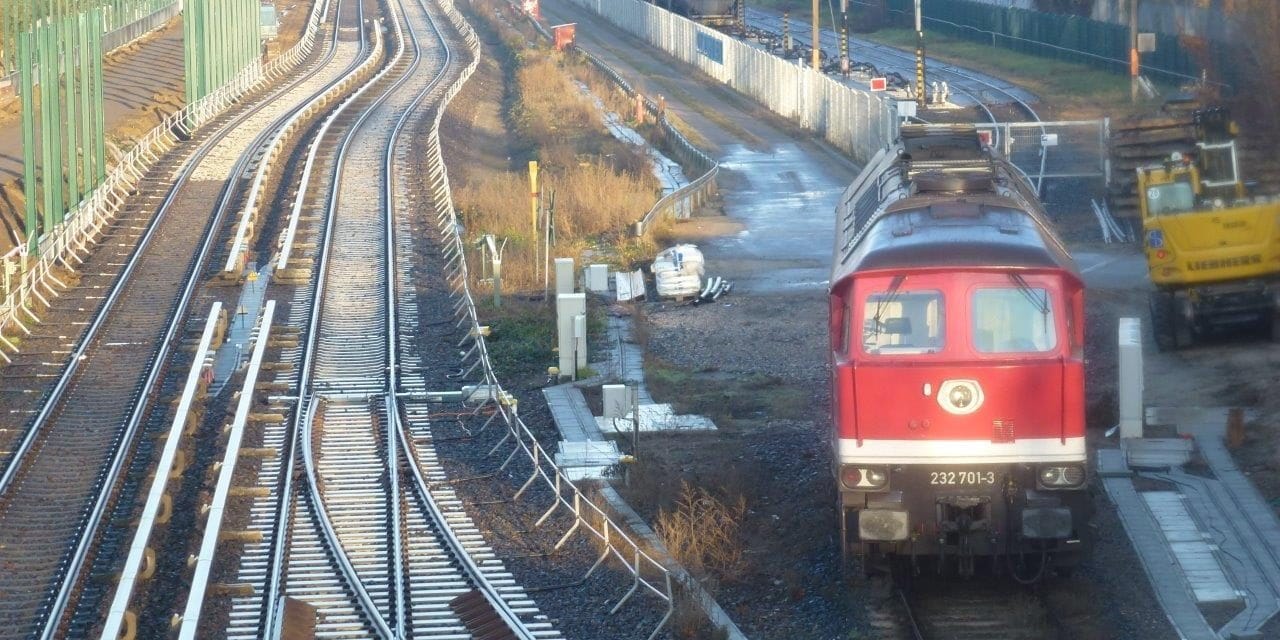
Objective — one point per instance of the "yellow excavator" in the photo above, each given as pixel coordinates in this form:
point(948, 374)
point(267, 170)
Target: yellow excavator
point(1213, 250)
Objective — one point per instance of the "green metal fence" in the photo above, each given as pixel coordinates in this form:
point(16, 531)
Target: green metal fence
point(20, 16)
point(62, 51)
point(220, 37)
point(1100, 44)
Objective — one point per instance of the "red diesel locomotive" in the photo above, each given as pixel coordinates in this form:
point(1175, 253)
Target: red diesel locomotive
point(957, 336)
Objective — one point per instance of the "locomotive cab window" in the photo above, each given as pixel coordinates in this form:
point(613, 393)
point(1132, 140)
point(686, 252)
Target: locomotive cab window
point(896, 322)
point(1015, 319)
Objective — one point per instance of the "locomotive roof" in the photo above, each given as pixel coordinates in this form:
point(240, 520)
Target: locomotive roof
point(931, 232)
point(937, 199)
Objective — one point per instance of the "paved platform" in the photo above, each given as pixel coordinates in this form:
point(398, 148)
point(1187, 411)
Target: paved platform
point(1209, 537)
point(1170, 587)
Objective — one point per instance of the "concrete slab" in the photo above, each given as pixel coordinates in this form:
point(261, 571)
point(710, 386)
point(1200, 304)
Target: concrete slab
point(1157, 453)
point(1194, 555)
point(571, 414)
point(657, 417)
point(1111, 464)
point(1157, 559)
point(588, 460)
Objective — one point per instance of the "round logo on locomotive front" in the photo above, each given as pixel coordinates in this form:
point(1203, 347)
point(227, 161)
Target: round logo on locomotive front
point(960, 397)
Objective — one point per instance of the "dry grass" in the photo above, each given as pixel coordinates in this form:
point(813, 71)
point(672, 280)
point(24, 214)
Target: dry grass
point(702, 532)
point(600, 185)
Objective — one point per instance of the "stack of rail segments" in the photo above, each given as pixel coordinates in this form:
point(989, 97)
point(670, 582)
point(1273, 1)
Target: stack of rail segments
point(1143, 141)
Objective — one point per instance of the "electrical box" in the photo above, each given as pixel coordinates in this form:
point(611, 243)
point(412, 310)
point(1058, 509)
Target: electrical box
point(1130, 377)
point(1146, 42)
point(564, 276)
point(568, 307)
point(597, 280)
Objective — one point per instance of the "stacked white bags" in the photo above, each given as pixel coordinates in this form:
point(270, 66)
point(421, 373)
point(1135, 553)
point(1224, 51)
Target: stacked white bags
point(678, 271)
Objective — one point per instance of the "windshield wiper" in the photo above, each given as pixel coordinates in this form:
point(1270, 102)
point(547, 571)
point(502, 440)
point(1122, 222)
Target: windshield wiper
point(1041, 302)
point(886, 298)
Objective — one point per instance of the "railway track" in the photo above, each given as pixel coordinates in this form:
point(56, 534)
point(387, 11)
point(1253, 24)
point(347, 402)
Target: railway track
point(64, 472)
point(967, 610)
point(355, 521)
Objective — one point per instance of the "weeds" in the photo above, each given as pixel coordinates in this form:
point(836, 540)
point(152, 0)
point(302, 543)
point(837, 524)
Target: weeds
point(725, 397)
point(600, 185)
point(701, 532)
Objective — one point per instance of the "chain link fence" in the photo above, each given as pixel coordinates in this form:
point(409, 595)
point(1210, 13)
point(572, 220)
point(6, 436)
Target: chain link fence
point(1049, 150)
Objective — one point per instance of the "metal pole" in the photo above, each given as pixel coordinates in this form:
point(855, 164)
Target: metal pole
point(920, 86)
point(189, 50)
point(786, 32)
point(86, 117)
point(1133, 51)
point(25, 67)
point(50, 128)
point(844, 37)
point(73, 148)
point(817, 49)
point(99, 107)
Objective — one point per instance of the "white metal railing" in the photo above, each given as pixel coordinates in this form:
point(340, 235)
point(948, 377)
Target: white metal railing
point(222, 491)
point(140, 561)
point(30, 282)
point(647, 573)
point(855, 121)
point(249, 216)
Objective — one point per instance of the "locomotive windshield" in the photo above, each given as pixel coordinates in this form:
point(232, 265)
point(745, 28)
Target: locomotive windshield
point(902, 322)
point(1017, 319)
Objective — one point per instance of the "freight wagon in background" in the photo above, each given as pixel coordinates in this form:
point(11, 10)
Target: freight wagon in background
point(957, 341)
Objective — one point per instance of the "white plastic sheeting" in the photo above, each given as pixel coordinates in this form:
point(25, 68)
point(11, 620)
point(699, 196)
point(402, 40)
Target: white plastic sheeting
point(678, 271)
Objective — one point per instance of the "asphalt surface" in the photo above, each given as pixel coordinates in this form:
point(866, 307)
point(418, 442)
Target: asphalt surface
point(771, 178)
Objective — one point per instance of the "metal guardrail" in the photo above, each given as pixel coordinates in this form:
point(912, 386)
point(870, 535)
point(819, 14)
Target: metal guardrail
point(64, 245)
point(647, 573)
point(140, 561)
point(126, 34)
point(203, 560)
point(246, 228)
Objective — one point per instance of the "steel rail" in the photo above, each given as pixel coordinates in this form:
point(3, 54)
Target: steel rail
point(73, 361)
point(217, 507)
point(614, 541)
point(281, 533)
point(133, 564)
point(107, 481)
point(129, 577)
point(444, 530)
point(322, 515)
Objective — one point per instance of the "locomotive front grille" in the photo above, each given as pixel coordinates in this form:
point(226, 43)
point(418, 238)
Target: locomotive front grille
point(1002, 431)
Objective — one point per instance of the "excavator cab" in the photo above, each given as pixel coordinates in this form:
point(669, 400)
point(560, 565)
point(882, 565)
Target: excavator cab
point(1212, 251)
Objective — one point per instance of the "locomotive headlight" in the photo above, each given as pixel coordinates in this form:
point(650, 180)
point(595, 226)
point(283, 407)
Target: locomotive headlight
point(851, 477)
point(1065, 476)
point(863, 478)
point(960, 397)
